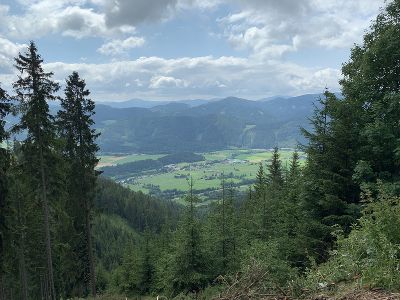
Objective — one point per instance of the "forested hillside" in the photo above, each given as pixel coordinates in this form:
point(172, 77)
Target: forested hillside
point(303, 231)
point(215, 125)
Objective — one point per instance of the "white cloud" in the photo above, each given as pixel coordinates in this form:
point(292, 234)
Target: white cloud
point(267, 29)
point(8, 50)
point(117, 47)
point(271, 28)
point(158, 78)
point(157, 82)
point(68, 17)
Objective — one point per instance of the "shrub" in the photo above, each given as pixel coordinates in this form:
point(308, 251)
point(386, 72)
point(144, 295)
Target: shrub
point(370, 254)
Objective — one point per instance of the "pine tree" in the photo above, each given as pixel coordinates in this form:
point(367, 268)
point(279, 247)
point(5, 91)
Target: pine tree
point(294, 167)
point(5, 108)
point(246, 218)
point(261, 182)
point(75, 125)
point(260, 204)
point(34, 88)
point(275, 175)
point(232, 230)
point(17, 222)
point(222, 230)
point(147, 268)
point(188, 271)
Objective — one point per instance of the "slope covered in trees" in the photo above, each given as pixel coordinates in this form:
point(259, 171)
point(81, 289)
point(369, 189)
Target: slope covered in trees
point(215, 125)
point(301, 230)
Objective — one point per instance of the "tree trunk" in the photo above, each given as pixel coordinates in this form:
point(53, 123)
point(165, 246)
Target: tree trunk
point(22, 271)
point(47, 225)
point(2, 291)
point(21, 254)
point(90, 250)
point(223, 228)
point(21, 247)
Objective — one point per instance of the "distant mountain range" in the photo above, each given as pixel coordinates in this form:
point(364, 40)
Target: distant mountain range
point(202, 125)
point(150, 103)
point(199, 125)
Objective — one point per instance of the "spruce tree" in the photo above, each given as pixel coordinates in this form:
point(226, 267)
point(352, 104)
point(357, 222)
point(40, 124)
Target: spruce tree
point(261, 182)
point(5, 108)
point(147, 268)
point(260, 204)
point(275, 174)
point(294, 167)
point(18, 221)
point(371, 89)
point(329, 193)
point(222, 231)
point(34, 87)
point(188, 271)
point(75, 124)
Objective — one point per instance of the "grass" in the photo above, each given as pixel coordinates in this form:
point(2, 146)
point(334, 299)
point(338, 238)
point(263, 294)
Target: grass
point(110, 160)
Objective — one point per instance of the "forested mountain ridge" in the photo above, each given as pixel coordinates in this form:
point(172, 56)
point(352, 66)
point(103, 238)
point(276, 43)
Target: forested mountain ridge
point(302, 231)
point(214, 125)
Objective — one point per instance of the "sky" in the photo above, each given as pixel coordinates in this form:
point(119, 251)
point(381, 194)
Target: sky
point(187, 49)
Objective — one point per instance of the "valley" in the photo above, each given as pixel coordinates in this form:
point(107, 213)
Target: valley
point(199, 150)
point(237, 166)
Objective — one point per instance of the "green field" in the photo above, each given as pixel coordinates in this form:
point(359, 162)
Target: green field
point(238, 166)
point(110, 160)
point(204, 175)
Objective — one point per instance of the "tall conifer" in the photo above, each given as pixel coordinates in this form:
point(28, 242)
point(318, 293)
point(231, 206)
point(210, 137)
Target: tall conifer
point(75, 123)
point(4, 110)
point(34, 87)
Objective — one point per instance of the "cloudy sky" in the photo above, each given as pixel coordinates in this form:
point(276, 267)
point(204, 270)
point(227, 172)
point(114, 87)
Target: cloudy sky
point(187, 49)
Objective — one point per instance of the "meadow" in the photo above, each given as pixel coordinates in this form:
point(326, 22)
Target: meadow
point(237, 166)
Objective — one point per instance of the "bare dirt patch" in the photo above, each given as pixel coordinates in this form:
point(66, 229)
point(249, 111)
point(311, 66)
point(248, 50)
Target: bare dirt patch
point(363, 295)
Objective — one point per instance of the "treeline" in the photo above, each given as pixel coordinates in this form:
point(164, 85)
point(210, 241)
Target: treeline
point(301, 229)
point(151, 164)
point(332, 222)
point(181, 157)
point(47, 186)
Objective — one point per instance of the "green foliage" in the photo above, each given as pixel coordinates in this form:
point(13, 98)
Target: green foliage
point(187, 267)
point(275, 176)
point(278, 239)
point(269, 257)
point(140, 210)
point(112, 237)
point(220, 233)
point(4, 163)
point(370, 254)
point(136, 274)
point(75, 123)
point(33, 89)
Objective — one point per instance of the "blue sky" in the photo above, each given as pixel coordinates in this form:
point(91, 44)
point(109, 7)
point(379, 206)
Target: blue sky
point(187, 49)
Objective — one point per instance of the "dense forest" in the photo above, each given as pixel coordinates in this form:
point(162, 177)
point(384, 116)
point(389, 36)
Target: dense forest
point(330, 224)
